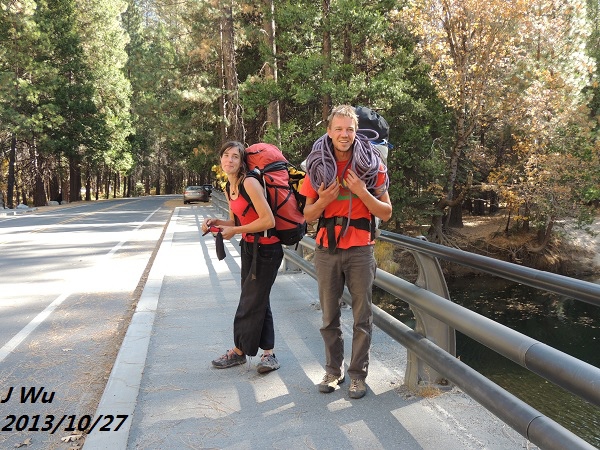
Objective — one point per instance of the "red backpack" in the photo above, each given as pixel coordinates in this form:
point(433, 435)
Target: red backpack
point(267, 164)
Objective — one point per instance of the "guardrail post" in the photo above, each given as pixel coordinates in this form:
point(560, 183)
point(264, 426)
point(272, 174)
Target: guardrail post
point(287, 264)
point(432, 279)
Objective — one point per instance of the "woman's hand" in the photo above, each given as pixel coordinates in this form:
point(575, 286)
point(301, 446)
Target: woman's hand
point(228, 232)
point(209, 223)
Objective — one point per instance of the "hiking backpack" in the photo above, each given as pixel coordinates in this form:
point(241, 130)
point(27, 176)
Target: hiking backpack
point(280, 181)
point(371, 120)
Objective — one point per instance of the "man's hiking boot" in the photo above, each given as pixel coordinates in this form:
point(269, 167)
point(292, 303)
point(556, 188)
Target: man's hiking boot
point(229, 359)
point(357, 389)
point(330, 383)
point(267, 363)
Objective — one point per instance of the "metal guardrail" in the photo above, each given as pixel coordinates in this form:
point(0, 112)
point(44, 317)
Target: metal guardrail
point(431, 345)
point(217, 198)
point(572, 374)
point(578, 289)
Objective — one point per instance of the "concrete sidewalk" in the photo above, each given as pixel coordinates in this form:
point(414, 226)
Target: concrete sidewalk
point(4, 212)
point(164, 383)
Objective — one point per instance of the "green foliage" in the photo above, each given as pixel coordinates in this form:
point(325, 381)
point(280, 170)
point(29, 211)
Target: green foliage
point(135, 87)
point(18, 94)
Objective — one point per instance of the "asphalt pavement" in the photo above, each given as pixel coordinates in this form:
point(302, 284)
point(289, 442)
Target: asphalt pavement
point(163, 392)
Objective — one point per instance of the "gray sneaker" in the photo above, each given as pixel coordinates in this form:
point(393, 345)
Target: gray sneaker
point(267, 363)
point(358, 388)
point(229, 359)
point(330, 383)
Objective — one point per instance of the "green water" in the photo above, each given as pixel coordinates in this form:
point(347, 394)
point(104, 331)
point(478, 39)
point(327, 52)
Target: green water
point(570, 326)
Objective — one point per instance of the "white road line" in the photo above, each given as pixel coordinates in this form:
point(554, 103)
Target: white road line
point(11, 345)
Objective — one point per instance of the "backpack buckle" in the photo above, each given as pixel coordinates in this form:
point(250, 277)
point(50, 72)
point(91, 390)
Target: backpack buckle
point(338, 220)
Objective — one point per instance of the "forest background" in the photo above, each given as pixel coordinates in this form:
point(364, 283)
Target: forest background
point(493, 106)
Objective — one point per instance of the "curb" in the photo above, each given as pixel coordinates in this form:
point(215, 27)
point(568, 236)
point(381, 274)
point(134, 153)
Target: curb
point(16, 212)
point(122, 388)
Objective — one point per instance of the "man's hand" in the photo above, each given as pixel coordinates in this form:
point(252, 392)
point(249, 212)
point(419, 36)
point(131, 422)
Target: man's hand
point(355, 184)
point(328, 194)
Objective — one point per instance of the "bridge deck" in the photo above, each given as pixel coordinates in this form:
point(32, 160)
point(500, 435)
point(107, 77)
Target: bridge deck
point(164, 382)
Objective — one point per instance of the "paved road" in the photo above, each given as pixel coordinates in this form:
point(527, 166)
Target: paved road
point(169, 397)
point(69, 281)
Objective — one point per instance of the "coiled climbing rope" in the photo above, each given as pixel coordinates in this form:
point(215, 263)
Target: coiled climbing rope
point(321, 166)
point(366, 163)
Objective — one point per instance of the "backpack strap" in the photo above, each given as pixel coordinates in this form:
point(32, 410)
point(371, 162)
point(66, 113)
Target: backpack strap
point(256, 236)
point(244, 194)
point(329, 224)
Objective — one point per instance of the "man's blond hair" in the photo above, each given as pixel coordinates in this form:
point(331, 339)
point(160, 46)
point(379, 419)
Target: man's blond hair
point(344, 111)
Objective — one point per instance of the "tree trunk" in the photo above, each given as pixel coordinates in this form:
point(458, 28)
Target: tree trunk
point(106, 183)
point(462, 134)
point(88, 185)
point(233, 111)
point(116, 183)
point(39, 195)
point(10, 200)
point(494, 202)
point(273, 117)
point(74, 180)
point(453, 166)
point(543, 238)
point(222, 110)
point(130, 184)
point(326, 102)
point(168, 180)
point(347, 58)
point(454, 219)
point(54, 187)
point(98, 184)
point(436, 231)
point(507, 227)
point(158, 183)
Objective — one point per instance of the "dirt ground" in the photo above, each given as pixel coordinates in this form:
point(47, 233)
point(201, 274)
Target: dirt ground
point(573, 251)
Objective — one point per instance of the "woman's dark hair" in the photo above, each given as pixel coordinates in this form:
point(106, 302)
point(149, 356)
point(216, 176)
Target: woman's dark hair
point(235, 144)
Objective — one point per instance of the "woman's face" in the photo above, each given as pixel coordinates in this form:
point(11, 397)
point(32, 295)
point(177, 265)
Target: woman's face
point(231, 161)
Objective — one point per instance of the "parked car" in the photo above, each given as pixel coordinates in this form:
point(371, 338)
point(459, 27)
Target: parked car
point(196, 194)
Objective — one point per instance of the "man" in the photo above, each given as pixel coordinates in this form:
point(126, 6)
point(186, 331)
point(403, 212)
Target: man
point(346, 205)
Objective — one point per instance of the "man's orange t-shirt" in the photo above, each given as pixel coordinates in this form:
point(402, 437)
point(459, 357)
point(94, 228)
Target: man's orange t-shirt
point(345, 202)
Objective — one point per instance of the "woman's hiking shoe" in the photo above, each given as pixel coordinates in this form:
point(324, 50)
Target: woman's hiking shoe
point(330, 383)
point(357, 389)
point(229, 359)
point(267, 363)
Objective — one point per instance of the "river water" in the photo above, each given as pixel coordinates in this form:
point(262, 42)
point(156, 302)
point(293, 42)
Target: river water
point(570, 326)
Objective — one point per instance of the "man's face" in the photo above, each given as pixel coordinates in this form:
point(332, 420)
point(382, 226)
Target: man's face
point(342, 131)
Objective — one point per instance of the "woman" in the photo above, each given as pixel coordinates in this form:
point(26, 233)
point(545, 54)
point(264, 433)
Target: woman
point(253, 323)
